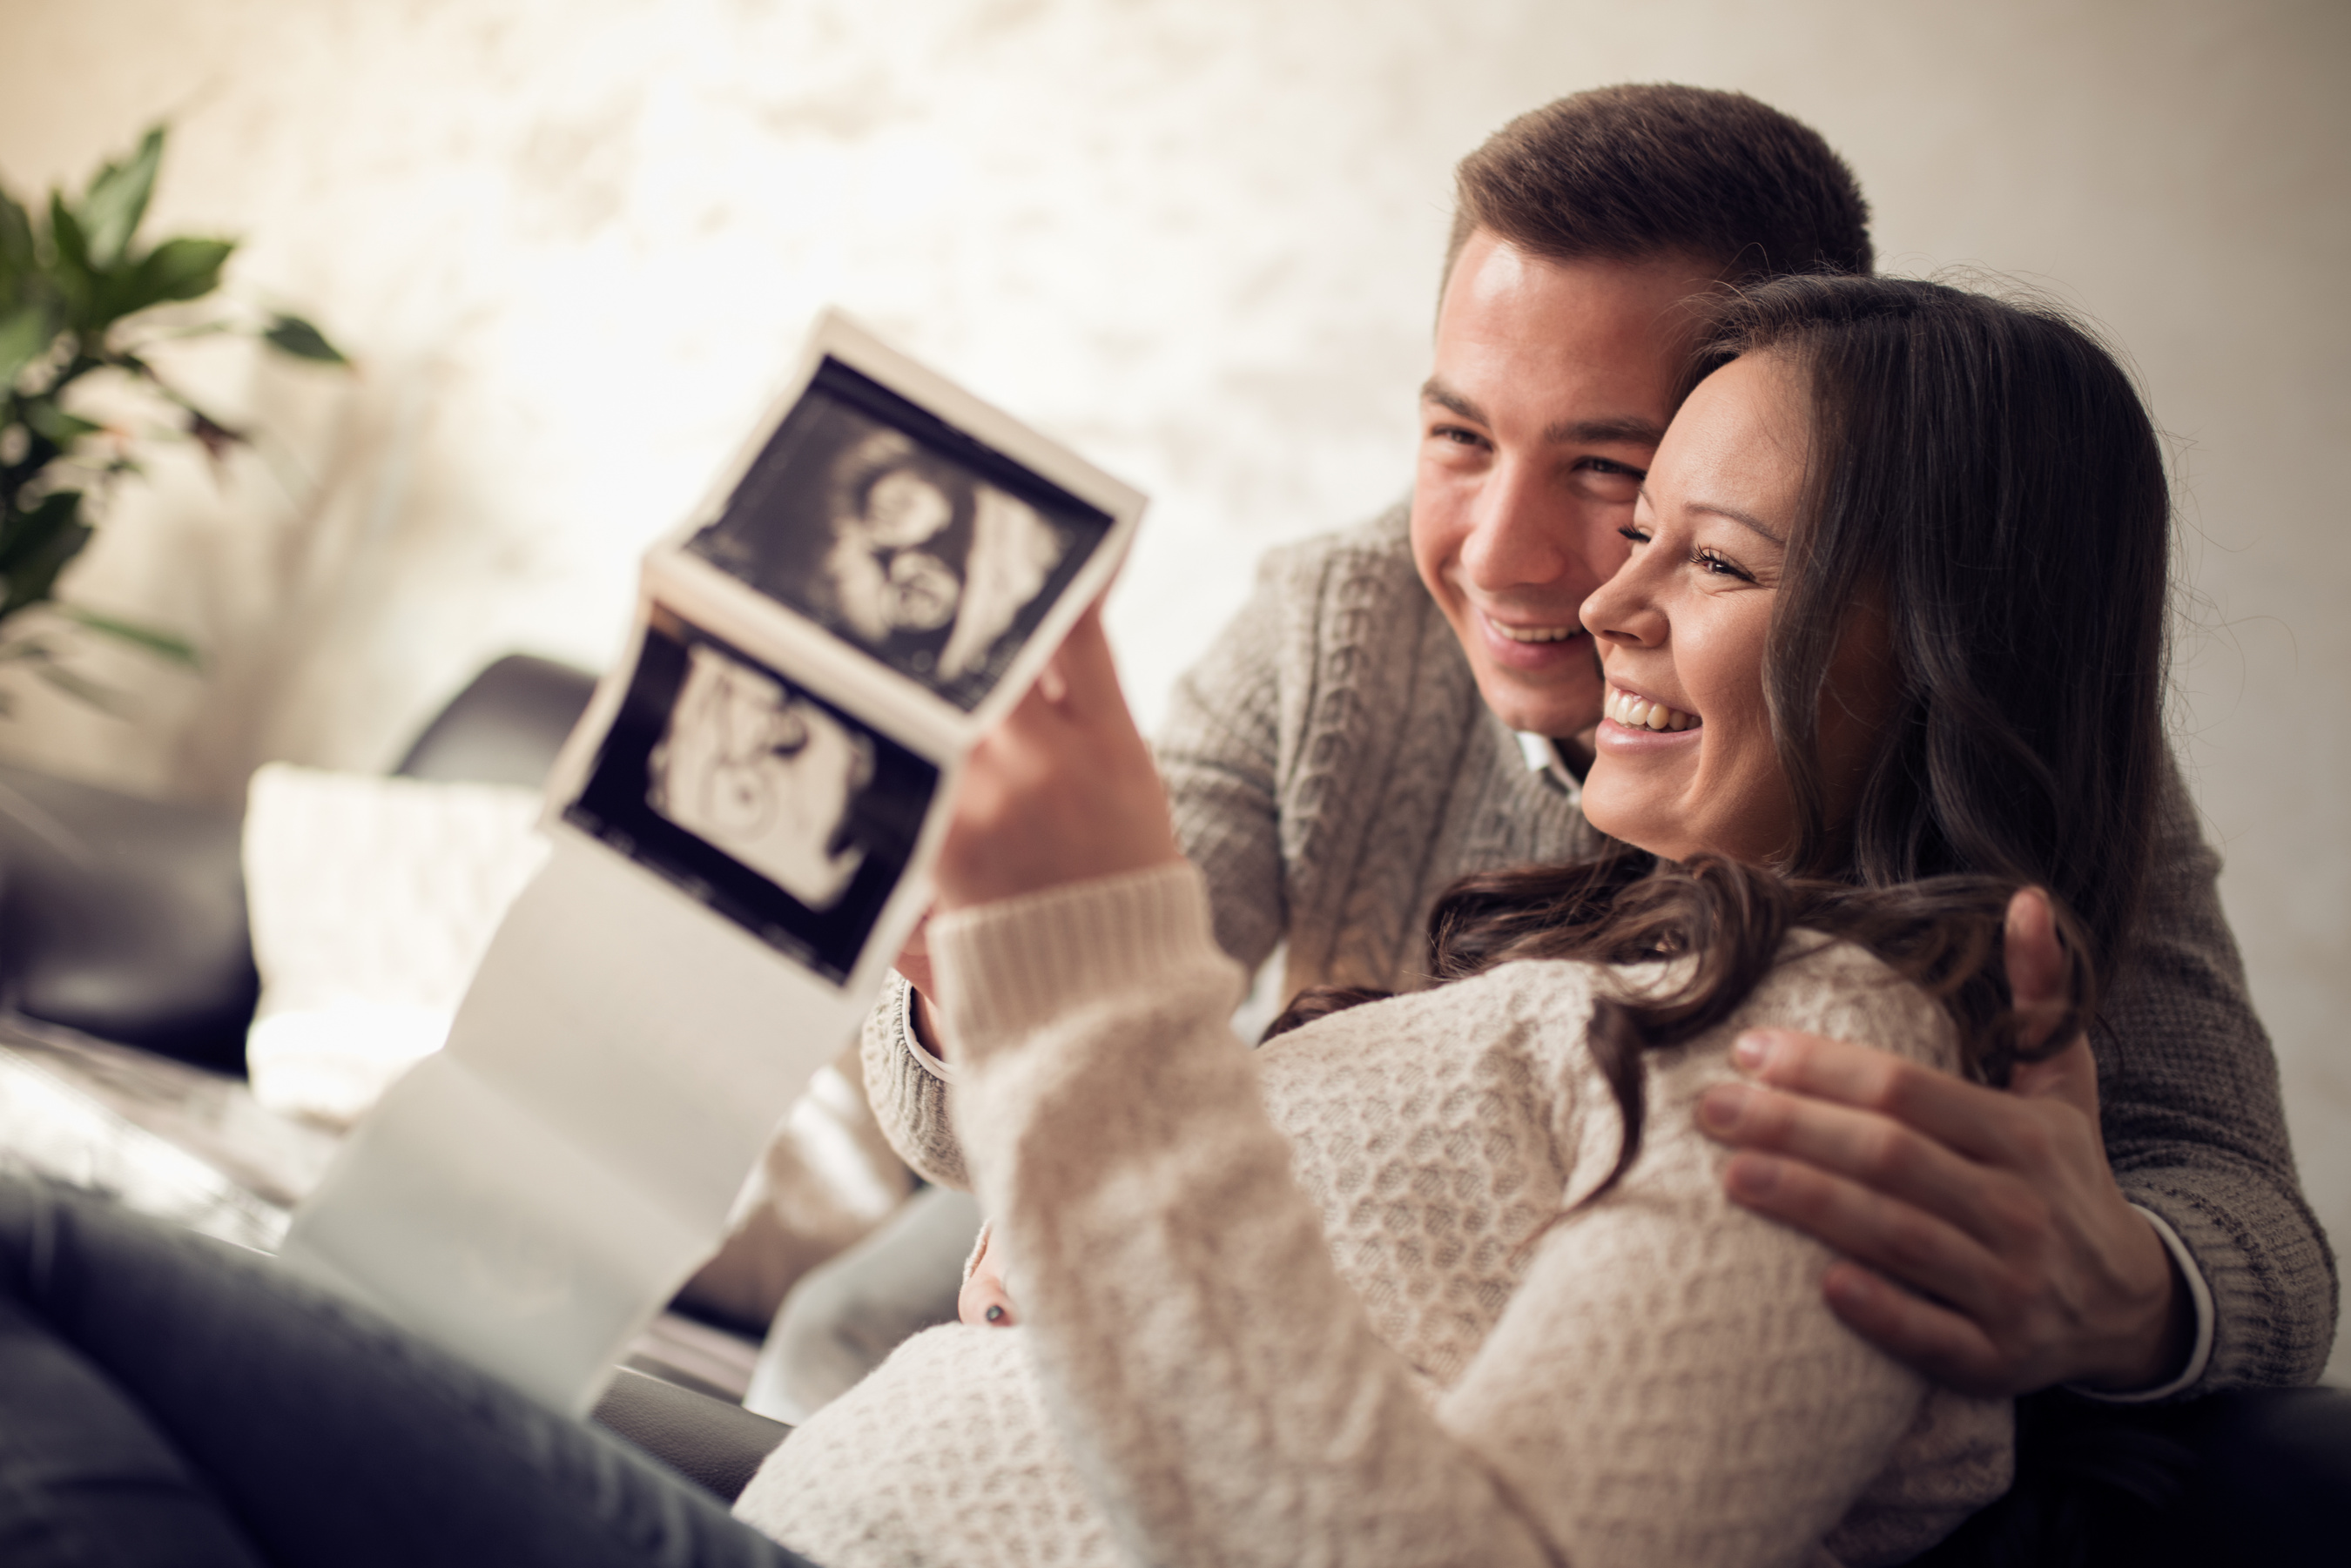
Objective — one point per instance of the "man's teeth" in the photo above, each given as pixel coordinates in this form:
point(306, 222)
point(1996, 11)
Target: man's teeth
point(1535, 633)
point(1640, 713)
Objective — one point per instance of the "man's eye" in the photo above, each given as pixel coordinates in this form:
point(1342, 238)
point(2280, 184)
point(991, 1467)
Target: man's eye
point(1604, 482)
point(1455, 434)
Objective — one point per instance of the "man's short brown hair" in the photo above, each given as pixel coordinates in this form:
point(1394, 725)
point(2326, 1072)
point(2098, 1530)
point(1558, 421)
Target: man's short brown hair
point(1626, 173)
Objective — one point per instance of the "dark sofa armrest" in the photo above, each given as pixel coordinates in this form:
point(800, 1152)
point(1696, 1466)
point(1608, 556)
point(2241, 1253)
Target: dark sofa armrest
point(505, 727)
point(125, 918)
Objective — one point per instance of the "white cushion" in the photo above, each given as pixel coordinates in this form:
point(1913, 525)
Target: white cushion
point(372, 901)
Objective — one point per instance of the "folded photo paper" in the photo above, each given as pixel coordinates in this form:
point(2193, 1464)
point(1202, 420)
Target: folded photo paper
point(741, 828)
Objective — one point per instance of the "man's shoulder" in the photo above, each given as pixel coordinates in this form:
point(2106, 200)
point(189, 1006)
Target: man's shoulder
point(1372, 556)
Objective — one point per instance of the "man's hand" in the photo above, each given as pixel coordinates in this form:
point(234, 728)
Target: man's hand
point(2024, 1263)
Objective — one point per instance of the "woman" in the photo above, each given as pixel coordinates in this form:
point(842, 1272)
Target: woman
point(1449, 1277)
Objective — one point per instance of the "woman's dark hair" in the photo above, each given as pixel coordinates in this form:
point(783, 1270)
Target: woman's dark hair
point(1986, 472)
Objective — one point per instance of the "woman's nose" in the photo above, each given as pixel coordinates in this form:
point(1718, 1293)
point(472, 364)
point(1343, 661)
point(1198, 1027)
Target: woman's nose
point(1624, 609)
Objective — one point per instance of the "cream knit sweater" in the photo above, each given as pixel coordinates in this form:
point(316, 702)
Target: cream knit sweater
point(1310, 1304)
point(1332, 769)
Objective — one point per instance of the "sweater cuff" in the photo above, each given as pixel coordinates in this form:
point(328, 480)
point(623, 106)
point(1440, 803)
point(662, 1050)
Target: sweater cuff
point(898, 1007)
point(2200, 1296)
point(1007, 968)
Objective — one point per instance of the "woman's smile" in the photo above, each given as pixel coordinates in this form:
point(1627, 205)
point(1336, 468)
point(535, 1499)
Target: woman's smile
point(1638, 714)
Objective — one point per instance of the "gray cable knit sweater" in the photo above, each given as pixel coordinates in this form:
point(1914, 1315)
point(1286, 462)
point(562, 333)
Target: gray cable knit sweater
point(1317, 1304)
point(1333, 770)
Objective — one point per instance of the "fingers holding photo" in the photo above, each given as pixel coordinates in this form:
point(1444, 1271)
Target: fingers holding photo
point(1064, 790)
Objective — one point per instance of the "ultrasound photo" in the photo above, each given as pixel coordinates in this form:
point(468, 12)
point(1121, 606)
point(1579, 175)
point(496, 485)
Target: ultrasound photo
point(765, 776)
point(768, 804)
point(934, 553)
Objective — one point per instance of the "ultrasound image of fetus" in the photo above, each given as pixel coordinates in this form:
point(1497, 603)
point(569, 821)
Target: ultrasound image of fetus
point(920, 546)
point(884, 579)
point(766, 775)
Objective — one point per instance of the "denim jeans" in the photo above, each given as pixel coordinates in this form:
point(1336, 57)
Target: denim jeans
point(169, 1400)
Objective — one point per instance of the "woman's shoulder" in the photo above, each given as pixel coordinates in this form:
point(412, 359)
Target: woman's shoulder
point(1818, 983)
point(1825, 985)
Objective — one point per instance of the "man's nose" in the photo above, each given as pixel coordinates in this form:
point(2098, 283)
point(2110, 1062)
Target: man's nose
point(1520, 534)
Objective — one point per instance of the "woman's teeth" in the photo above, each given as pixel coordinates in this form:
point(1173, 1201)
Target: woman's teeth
point(1640, 713)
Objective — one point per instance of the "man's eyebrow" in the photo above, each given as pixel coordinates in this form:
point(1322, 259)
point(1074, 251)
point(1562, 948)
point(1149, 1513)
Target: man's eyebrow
point(1603, 433)
point(1445, 397)
point(1566, 432)
point(1751, 524)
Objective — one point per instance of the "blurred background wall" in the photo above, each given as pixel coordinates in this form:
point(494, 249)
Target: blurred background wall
point(573, 246)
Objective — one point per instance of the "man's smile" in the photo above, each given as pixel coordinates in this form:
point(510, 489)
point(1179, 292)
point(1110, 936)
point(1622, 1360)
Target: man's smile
point(1532, 634)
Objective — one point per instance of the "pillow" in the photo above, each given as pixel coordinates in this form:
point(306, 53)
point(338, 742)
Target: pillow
point(372, 901)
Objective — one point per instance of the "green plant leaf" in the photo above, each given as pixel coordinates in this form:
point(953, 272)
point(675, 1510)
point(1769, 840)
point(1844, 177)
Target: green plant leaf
point(68, 269)
point(35, 547)
point(292, 335)
point(23, 533)
point(45, 418)
point(16, 255)
point(66, 230)
point(117, 200)
point(162, 644)
point(25, 334)
point(180, 268)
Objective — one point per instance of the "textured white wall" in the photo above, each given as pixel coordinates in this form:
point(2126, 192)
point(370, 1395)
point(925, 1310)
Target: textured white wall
point(573, 245)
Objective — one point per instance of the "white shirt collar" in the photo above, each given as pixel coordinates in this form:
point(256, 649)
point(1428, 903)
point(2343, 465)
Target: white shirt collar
point(1543, 757)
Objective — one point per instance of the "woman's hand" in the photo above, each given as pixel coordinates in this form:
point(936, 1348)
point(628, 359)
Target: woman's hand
point(1065, 790)
point(2024, 1264)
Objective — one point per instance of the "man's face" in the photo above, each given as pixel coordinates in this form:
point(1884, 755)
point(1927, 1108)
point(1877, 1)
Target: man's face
point(1550, 389)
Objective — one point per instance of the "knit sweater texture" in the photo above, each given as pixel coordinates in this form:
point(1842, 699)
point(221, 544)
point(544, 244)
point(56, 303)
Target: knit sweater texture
point(1332, 769)
point(1332, 1301)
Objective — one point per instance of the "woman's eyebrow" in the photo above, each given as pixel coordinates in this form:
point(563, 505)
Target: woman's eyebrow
point(1733, 513)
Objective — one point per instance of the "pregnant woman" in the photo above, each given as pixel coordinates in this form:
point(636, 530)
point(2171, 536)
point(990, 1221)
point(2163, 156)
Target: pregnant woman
point(1442, 1277)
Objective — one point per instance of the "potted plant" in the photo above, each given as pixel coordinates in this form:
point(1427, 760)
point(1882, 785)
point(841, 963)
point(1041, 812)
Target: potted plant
point(79, 297)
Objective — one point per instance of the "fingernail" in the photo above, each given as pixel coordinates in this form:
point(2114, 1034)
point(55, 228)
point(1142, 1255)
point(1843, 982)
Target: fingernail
point(1750, 1050)
point(1847, 1288)
point(1753, 1178)
point(1720, 1106)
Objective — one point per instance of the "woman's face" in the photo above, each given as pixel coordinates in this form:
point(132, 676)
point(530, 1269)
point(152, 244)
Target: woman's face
point(1685, 762)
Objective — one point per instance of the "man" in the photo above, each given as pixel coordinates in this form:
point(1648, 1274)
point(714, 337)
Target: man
point(1400, 704)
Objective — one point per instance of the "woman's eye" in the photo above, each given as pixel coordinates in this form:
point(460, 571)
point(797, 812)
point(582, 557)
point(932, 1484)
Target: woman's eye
point(1635, 532)
point(1715, 565)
